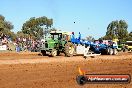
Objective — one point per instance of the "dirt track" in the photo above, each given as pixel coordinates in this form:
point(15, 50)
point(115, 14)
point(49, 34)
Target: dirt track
point(29, 70)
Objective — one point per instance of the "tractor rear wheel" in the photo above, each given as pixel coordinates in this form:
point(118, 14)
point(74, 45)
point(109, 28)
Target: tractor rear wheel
point(69, 49)
point(53, 52)
point(58, 53)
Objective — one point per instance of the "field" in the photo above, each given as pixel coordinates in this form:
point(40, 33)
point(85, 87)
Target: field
point(30, 70)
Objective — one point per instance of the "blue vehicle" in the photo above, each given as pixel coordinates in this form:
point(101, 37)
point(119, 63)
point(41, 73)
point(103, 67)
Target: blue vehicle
point(101, 48)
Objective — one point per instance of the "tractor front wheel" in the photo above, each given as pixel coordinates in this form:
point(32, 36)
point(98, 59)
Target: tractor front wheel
point(53, 52)
point(69, 49)
point(43, 52)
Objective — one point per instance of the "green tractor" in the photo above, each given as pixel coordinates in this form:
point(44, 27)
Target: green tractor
point(56, 43)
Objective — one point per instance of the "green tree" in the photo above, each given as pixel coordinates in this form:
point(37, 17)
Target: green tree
point(130, 34)
point(117, 29)
point(22, 35)
point(5, 24)
point(129, 38)
point(35, 26)
point(6, 27)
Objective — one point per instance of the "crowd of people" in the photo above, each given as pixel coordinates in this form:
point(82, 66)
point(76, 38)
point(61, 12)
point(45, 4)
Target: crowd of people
point(27, 44)
point(5, 40)
point(20, 43)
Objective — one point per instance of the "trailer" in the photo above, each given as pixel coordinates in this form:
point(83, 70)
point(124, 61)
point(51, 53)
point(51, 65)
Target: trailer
point(84, 51)
point(102, 48)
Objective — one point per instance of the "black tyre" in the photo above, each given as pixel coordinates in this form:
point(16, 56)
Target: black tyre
point(43, 52)
point(104, 52)
point(53, 52)
point(115, 52)
point(69, 49)
point(125, 50)
point(58, 53)
point(110, 51)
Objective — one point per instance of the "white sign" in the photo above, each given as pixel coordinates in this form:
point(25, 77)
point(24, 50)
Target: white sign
point(3, 47)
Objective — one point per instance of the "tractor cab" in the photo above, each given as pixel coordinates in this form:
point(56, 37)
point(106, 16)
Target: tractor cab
point(56, 36)
point(53, 40)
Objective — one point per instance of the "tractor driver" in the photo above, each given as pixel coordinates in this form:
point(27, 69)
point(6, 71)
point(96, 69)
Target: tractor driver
point(59, 37)
point(79, 36)
point(50, 37)
point(73, 37)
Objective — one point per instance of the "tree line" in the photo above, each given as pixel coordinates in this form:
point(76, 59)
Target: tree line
point(37, 27)
point(6, 27)
point(118, 30)
point(34, 27)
